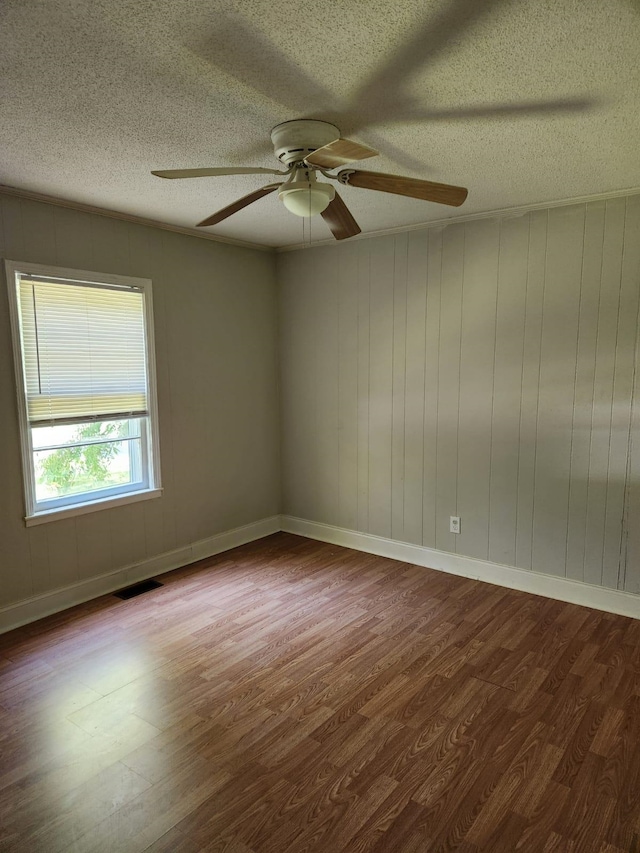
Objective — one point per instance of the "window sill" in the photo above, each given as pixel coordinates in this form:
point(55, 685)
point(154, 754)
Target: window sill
point(90, 506)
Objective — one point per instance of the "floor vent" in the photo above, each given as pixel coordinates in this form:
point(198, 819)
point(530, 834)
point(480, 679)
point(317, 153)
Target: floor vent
point(137, 589)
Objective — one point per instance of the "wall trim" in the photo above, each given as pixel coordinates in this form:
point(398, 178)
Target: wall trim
point(292, 247)
point(39, 606)
point(130, 217)
point(562, 589)
point(502, 212)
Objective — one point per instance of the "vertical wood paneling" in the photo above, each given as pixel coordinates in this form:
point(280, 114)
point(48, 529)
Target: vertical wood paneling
point(38, 232)
point(209, 340)
point(15, 552)
point(507, 388)
point(479, 297)
point(297, 351)
point(364, 396)
point(62, 566)
point(41, 545)
point(12, 230)
point(628, 576)
point(624, 358)
point(128, 543)
point(381, 386)
point(288, 390)
point(348, 386)
point(453, 249)
point(493, 365)
point(584, 387)
point(212, 338)
point(109, 244)
point(146, 253)
point(285, 270)
point(529, 404)
point(325, 319)
point(244, 390)
point(398, 385)
point(415, 386)
point(185, 408)
point(560, 312)
point(93, 543)
point(631, 575)
point(600, 434)
point(431, 386)
point(215, 329)
point(73, 239)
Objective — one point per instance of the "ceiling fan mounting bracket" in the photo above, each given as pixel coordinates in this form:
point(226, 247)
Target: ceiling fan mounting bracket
point(344, 176)
point(294, 140)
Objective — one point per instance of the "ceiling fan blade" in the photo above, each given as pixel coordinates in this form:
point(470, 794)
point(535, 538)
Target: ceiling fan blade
point(530, 108)
point(238, 205)
point(208, 173)
point(397, 155)
point(339, 219)
point(440, 33)
point(398, 185)
point(238, 48)
point(339, 153)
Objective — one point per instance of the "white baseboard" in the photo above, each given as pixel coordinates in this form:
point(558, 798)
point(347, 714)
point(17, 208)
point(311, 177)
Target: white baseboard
point(29, 610)
point(562, 589)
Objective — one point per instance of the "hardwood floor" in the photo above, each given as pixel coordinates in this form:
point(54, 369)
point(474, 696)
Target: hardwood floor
point(295, 696)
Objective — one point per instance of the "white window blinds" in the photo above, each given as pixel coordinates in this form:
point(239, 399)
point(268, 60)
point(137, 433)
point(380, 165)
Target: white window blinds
point(83, 350)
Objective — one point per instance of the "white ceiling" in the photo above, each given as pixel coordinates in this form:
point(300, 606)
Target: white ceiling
point(96, 93)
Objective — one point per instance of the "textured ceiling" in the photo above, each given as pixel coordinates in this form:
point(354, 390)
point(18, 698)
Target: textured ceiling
point(96, 93)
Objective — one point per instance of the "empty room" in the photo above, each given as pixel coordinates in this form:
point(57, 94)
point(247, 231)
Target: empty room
point(320, 427)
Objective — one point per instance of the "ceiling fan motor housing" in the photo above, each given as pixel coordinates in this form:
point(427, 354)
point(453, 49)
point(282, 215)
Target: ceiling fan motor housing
point(294, 140)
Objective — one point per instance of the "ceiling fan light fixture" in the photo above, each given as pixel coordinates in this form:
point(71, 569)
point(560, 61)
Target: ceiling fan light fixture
point(306, 198)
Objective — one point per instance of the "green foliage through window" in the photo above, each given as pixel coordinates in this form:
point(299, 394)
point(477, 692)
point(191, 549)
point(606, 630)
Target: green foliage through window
point(69, 466)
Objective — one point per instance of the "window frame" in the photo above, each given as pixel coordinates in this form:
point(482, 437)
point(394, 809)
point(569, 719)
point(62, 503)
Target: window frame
point(67, 501)
point(75, 505)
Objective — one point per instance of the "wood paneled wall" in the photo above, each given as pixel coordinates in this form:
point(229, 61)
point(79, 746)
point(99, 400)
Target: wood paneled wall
point(485, 369)
point(215, 329)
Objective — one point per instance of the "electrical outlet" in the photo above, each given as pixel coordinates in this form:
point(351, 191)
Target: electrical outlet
point(454, 524)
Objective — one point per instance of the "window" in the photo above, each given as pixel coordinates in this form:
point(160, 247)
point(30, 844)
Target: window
point(83, 345)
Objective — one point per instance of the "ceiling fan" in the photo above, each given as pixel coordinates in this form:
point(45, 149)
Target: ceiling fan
point(309, 146)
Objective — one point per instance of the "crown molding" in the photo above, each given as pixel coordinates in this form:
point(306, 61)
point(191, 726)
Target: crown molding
point(128, 217)
point(503, 212)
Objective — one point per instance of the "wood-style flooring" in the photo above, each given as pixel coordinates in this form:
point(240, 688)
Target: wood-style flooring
point(294, 697)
